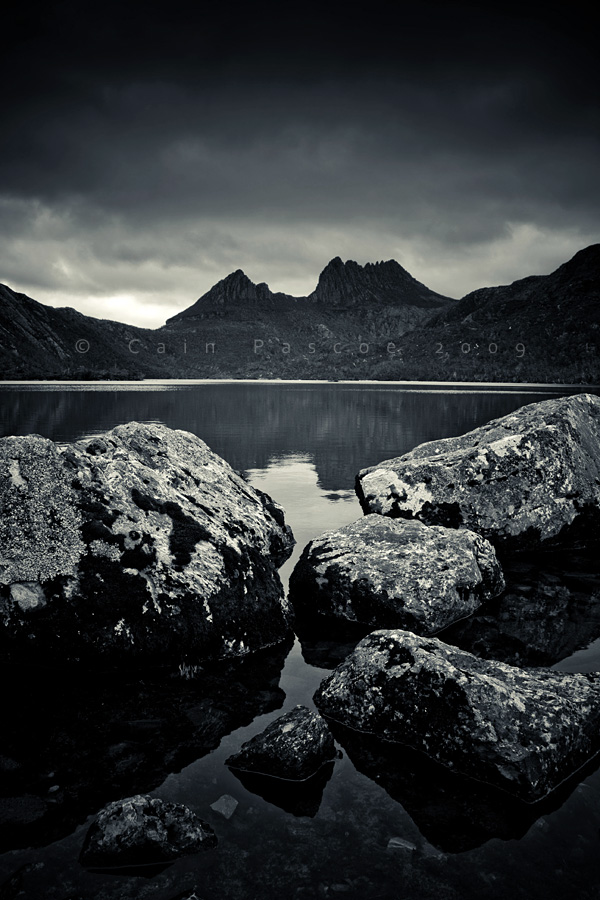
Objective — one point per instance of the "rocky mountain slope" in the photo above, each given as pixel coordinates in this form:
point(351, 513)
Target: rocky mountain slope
point(38, 341)
point(540, 328)
point(341, 286)
point(373, 321)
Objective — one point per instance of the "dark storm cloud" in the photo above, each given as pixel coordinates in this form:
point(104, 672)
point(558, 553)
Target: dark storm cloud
point(323, 152)
point(140, 138)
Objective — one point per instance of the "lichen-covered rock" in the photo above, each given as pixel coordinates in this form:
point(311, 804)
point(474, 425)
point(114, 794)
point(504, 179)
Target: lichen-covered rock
point(526, 479)
point(139, 544)
point(397, 574)
point(295, 746)
point(144, 830)
point(523, 730)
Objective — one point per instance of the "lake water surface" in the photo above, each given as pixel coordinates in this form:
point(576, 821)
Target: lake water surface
point(385, 824)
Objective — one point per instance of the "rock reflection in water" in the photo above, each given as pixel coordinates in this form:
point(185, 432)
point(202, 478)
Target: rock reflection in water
point(300, 798)
point(550, 609)
point(326, 642)
point(72, 743)
point(453, 813)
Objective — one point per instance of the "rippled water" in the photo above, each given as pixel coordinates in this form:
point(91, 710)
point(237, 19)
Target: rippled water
point(386, 824)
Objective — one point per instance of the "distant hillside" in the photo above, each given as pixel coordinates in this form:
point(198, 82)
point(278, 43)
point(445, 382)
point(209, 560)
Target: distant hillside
point(38, 341)
point(540, 328)
point(373, 321)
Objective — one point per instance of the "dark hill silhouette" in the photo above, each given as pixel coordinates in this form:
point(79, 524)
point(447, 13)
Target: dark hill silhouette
point(372, 321)
point(342, 286)
point(539, 328)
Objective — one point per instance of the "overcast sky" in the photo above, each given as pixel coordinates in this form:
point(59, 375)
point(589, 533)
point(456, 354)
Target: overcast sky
point(147, 152)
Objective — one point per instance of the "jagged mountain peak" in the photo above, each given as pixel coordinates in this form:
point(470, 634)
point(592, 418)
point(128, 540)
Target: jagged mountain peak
point(234, 288)
point(343, 284)
point(234, 279)
point(238, 276)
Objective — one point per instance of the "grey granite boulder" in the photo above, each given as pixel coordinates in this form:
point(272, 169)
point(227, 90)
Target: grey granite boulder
point(295, 746)
point(144, 830)
point(524, 480)
point(523, 730)
point(394, 573)
point(141, 544)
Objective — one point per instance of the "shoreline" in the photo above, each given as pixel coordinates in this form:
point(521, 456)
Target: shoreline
point(149, 382)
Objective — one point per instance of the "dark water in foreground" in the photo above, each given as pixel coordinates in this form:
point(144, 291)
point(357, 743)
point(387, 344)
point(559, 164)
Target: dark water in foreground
point(386, 824)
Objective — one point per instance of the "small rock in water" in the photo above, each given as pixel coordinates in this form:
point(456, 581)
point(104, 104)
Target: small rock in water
point(225, 805)
point(398, 843)
point(295, 746)
point(144, 830)
point(524, 730)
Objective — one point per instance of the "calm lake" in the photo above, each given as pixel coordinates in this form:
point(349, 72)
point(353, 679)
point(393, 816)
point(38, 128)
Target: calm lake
point(383, 824)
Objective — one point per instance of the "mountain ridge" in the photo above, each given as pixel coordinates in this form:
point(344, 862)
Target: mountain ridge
point(373, 321)
point(340, 284)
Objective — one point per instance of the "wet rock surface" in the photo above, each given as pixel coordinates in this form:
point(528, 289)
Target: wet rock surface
point(141, 544)
point(396, 574)
point(525, 480)
point(294, 747)
point(144, 830)
point(523, 730)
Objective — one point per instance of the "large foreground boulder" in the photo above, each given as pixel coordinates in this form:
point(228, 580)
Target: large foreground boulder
point(527, 479)
point(140, 544)
point(144, 830)
point(523, 730)
point(394, 573)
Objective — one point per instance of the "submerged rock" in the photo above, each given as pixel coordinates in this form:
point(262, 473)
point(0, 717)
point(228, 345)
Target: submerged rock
point(526, 479)
point(524, 730)
point(226, 805)
point(141, 544)
point(144, 830)
point(393, 573)
point(295, 746)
